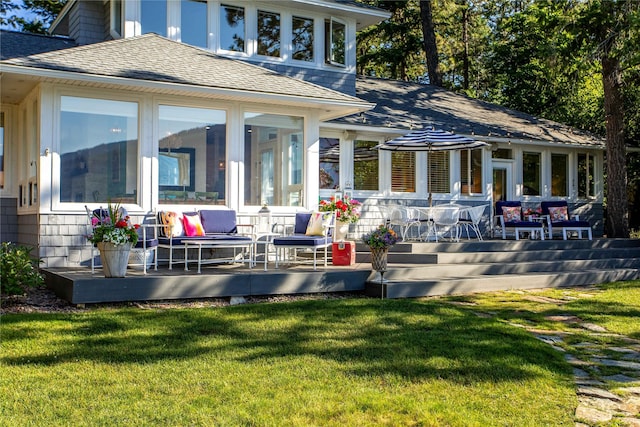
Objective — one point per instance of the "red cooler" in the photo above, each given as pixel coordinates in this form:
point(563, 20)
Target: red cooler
point(344, 253)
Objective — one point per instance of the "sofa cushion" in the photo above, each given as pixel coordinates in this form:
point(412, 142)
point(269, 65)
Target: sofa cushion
point(301, 240)
point(318, 224)
point(178, 241)
point(192, 225)
point(218, 221)
point(523, 224)
point(172, 222)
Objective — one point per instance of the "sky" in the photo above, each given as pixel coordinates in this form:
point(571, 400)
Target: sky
point(20, 12)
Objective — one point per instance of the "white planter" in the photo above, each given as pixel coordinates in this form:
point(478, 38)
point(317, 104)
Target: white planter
point(114, 258)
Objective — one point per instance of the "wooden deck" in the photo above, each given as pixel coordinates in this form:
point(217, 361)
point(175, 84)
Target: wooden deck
point(415, 269)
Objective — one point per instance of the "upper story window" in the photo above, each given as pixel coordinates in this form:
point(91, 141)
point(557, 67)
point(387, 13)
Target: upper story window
point(302, 39)
point(232, 32)
point(335, 37)
point(153, 17)
point(193, 22)
point(268, 33)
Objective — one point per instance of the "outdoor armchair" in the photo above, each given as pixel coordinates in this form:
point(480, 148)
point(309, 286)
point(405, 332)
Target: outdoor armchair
point(558, 213)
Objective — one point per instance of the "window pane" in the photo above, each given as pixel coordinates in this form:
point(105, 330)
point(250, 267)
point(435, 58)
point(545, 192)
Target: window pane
point(471, 171)
point(98, 150)
point(403, 171)
point(274, 159)
point(531, 174)
point(154, 17)
point(329, 163)
point(116, 15)
point(586, 186)
point(232, 28)
point(335, 39)
point(439, 181)
point(559, 180)
point(365, 166)
point(302, 39)
point(502, 153)
point(268, 33)
point(192, 155)
point(193, 22)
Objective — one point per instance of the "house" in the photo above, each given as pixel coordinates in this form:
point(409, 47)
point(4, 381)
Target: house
point(180, 104)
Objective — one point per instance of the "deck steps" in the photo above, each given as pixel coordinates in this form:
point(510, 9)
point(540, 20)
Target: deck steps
point(497, 265)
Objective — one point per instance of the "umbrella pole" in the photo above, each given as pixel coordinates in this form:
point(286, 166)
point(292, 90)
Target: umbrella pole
point(429, 176)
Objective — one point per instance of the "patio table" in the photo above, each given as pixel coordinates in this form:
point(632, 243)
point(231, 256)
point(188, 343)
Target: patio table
point(218, 244)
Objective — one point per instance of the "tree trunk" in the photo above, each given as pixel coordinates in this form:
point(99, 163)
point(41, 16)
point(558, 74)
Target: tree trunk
point(430, 47)
point(465, 42)
point(617, 220)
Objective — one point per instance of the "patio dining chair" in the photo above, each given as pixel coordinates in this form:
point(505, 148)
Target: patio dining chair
point(472, 221)
point(446, 218)
point(404, 218)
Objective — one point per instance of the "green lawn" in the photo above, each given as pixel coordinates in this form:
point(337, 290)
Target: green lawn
point(353, 362)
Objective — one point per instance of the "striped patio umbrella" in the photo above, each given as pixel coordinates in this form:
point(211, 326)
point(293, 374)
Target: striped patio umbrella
point(431, 140)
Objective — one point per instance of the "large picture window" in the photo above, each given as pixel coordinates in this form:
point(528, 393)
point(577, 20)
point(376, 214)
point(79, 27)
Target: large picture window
point(193, 22)
point(531, 174)
point(98, 150)
point(191, 155)
point(559, 178)
point(153, 17)
point(329, 163)
point(232, 33)
point(274, 159)
point(365, 165)
point(268, 33)
point(403, 171)
point(302, 39)
point(471, 171)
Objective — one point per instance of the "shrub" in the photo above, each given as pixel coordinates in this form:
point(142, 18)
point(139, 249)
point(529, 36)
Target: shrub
point(17, 269)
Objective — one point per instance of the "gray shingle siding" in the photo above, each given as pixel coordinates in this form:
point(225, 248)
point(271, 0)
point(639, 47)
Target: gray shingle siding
point(87, 22)
point(8, 220)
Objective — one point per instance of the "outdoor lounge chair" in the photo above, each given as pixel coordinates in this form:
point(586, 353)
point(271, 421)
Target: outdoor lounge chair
point(509, 217)
point(557, 212)
point(306, 237)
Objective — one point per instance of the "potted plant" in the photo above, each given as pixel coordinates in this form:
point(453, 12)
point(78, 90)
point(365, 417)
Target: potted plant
point(114, 235)
point(379, 242)
point(347, 212)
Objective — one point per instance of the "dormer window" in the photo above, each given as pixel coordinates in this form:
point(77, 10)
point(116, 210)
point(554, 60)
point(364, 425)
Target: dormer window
point(302, 39)
point(193, 22)
point(154, 17)
point(335, 38)
point(232, 31)
point(268, 33)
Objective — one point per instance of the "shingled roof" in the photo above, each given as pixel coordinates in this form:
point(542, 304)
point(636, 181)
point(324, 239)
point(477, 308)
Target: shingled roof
point(14, 44)
point(407, 106)
point(152, 58)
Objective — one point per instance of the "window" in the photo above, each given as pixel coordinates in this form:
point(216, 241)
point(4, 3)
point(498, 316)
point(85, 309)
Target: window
point(153, 17)
point(559, 179)
point(116, 17)
point(98, 150)
point(192, 155)
point(439, 181)
point(403, 171)
point(329, 163)
point(232, 28)
point(586, 171)
point(365, 166)
point(335, 42)
point(268, 33)
point(531, 174)
point(193, 22)
point(471, 171)
point(302, 39)
point(274, 159)
point(502, 153)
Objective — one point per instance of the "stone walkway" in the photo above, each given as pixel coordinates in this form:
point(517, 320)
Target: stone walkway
point(607, 377)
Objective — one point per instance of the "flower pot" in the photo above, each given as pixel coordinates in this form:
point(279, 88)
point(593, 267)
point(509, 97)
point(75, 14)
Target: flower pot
point(341, 231)
point(379, 258)
point(114, 258)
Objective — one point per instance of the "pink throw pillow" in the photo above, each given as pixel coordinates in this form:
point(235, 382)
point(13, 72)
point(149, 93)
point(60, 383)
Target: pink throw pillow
point(511, 213)
point(192, 225)
point(558, 214)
